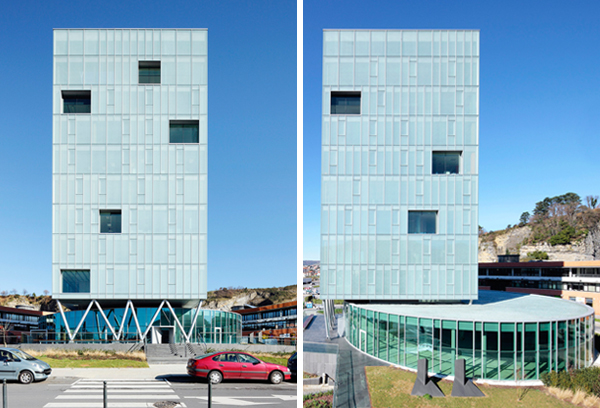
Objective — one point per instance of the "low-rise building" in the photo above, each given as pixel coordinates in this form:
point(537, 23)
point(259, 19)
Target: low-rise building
point(270, 323)
point(578, 281)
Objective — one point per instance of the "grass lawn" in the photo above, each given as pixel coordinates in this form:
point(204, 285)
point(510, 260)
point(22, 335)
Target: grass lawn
point(391, 387)
point(93, 363)
point(272, 358)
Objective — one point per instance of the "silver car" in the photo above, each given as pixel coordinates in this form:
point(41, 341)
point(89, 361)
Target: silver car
point(18, 365)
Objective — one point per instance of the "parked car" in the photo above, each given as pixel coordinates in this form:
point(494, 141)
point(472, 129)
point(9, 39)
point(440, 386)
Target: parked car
point(18, 365)
point(233, 365)
point(292, 365)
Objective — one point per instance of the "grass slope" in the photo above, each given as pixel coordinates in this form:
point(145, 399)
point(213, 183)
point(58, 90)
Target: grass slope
point(391, 387)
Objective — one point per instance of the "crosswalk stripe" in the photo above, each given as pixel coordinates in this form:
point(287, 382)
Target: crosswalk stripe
point(113, 391)
point(109, 396)
point(113, 386)
point(100, 405)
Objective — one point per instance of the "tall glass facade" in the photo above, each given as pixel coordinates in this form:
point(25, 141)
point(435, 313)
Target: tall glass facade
point(212, 326)
point(391, 99)
point(493, 350)
point(115, 96)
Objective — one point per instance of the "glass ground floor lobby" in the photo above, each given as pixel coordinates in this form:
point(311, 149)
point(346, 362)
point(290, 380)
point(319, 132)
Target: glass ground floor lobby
point(212, 326)
point(502, 336)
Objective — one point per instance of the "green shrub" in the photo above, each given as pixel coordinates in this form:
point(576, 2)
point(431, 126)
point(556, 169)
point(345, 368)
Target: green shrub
point(585, 379)
point(538, 255)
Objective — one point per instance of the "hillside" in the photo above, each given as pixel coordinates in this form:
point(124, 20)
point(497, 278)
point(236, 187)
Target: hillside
point(223, 298)
point(560, 229)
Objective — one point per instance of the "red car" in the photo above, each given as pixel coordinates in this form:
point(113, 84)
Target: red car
point(232, 365)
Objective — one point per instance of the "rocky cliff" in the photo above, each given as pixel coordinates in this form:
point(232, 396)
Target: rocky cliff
point(511, 241)
point(225, 299)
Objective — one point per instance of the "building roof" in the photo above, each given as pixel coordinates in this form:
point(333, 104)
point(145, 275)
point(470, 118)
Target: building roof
point(269, 307)
point(20, 311)
point(493, 306)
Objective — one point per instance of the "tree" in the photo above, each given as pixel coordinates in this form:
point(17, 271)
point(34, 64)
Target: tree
point(14, 291)
point(524, 219)
point(591, 201)
point(25, 292)
point(46, 292)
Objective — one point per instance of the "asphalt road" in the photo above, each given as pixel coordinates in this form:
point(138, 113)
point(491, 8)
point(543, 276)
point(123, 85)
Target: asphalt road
point(163, 391)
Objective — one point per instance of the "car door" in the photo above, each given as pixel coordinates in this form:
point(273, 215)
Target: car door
point(228, 364)
point(8, 369)
point(252, 368)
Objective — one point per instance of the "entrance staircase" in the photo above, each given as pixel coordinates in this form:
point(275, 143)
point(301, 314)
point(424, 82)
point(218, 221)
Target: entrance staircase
point(173, 353)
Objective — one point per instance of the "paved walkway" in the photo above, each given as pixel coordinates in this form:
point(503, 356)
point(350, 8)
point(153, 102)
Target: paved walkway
point(155, 370)
point(351, 389)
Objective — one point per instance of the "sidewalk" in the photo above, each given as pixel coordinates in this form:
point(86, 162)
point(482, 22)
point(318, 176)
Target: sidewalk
point(149, 373)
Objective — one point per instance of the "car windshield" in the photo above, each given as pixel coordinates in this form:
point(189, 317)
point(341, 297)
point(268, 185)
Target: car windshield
point(22, 355)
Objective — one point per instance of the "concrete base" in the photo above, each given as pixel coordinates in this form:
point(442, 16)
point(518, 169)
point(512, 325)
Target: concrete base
point(462, 387)
point(423, 384)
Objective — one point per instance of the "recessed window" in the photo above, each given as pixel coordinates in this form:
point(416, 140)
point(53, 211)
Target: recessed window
point(422, 222)
point(445, 162)
point(183, 131)
point(77, 101)
point(149, 72)
point(75, 281)
point(345, 103)
point(110, 221)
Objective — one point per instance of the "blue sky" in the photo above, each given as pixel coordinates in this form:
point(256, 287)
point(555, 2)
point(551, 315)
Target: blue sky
point(251, 130)
point(539, 131)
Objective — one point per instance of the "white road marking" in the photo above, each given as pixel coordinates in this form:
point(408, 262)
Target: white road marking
point(235, 401)
point(114, 391)
point(110, 405)
point(113, 397)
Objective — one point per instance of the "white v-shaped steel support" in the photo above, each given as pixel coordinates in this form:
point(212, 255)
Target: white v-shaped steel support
point(152, 320)
point(112, 330)
point(123, 321)
point(62, 313)
point(189, 336)
point(83, 319)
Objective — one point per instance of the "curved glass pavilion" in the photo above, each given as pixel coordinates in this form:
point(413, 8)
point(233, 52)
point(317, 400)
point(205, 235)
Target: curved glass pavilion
point(502, 336)
point(212, 326)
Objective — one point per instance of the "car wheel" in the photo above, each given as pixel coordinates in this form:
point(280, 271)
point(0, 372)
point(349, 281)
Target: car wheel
point(215, 377)
point(25, 377)
point(276, 377)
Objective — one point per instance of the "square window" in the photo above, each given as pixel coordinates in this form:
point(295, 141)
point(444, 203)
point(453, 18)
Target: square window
point(77, 101)
point(75, 281)
point(422, 222)
point(345, 103)
point(445, 163)
point(110, 221)
point(149, 72)
point(183, 131)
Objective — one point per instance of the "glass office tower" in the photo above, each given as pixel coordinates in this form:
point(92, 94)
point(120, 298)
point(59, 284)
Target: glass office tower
point(400, 164)
point(399, 219)
point(129, 167)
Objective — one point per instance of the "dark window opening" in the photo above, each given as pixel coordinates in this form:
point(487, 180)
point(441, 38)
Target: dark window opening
point(183, 131)
point(75, 281)
point(149, 72)
point(445, 162)
point(77, 101)
point(422, 222)
point(345, 103)
point(110, 221)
